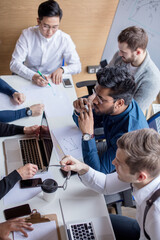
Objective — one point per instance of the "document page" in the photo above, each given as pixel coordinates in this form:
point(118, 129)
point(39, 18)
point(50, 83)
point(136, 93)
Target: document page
point(42, 231)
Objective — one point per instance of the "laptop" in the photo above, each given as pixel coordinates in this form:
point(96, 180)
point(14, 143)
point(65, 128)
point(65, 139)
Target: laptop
point(31, 149)
point(93, 229)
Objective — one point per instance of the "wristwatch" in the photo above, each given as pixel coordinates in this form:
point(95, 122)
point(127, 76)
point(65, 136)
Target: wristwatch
point(62, 69)
point(87, 136)
point(28, 112)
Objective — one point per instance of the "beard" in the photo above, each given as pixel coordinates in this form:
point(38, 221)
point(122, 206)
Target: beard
point(109, 111)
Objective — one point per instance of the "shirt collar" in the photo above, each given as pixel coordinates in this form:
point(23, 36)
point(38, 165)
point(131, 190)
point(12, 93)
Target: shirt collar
point(46, 39)
point(119, 116)
point(144, 193)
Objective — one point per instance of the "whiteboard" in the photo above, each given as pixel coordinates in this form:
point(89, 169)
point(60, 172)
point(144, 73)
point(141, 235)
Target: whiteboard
point(141, 13)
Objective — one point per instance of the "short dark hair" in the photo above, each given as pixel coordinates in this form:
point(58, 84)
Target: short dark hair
point(49, 8)
point(135, 37)
point(142, 148)
point(119, 81)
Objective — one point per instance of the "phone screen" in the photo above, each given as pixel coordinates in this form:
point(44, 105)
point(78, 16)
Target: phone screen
point(67, 82)
point(35, 182)
point(17, 211)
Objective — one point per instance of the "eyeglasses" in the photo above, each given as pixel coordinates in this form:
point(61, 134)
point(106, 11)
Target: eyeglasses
point(64, 186)
point(100, 99)
point(47, 27)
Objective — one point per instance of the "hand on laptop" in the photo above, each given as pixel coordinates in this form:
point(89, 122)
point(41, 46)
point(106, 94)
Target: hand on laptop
point(37, 109)
point(19, 98)
point(72, 164)
point(33, 130)
point(17, 224)
point(27, 171)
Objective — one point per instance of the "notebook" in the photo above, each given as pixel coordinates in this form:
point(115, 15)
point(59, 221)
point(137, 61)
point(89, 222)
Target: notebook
point(36, 150)
point(93, 229)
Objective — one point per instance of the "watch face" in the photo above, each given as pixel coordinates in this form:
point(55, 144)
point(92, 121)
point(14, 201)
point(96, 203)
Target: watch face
point(29, 112)
point(86, 137)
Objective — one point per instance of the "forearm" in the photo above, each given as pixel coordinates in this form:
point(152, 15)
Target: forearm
point(90, 154)
point(20, 69)
point(6, 88)
point(8, 182)
point(9, 115)
point(74, 68)
point(10, 129)
point(104, 184)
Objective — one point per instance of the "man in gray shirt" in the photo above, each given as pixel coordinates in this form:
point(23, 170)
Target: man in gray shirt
point(132, 44)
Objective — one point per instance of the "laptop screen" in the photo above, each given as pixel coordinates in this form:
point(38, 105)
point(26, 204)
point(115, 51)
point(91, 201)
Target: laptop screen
point(45, 141)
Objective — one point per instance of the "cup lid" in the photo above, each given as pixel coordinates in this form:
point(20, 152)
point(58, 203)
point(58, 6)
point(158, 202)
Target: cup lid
point(49, 185)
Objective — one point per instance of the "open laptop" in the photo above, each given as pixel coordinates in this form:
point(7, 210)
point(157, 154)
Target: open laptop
point(93, 229)
point(22, 150)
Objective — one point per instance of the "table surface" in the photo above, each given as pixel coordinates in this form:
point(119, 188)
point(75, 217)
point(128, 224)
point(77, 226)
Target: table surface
point(75, 191)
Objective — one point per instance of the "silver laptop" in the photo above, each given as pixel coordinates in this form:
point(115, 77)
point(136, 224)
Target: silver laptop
point(94, 228)
point(23, 150)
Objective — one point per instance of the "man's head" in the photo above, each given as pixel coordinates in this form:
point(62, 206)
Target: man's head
point(132, 43)
point(49, 16)
point(114, 91)
point(138, 156)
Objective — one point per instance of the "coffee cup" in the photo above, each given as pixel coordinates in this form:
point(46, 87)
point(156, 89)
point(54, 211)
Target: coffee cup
point(49, 188)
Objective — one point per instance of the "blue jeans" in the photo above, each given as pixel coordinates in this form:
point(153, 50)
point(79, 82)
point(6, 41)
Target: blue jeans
point(125, 228)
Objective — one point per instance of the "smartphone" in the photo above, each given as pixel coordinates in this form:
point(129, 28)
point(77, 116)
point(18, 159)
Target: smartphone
point(64, 173)
point(67, 82)
point(29, 183)
point(18, 211)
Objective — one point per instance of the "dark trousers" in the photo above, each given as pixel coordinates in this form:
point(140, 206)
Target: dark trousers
point(125, 228)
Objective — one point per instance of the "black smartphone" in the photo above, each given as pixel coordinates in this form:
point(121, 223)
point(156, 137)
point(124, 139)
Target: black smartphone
point(18, 211)
point(64, 173)
point(67, 82)
point(29, 183)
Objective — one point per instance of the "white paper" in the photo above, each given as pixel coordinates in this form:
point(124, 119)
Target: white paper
point(19, 195)
point(42, 231)
point(69, 139)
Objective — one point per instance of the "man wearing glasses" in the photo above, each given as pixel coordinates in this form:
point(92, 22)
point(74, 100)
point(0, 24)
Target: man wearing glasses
point(112, 107)
point(44, 47)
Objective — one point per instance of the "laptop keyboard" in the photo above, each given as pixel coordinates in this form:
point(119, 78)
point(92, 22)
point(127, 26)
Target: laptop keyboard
point(30, 152)
point(82, 231)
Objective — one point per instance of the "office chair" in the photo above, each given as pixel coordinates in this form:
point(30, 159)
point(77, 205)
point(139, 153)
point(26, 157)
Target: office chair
point(154, 121)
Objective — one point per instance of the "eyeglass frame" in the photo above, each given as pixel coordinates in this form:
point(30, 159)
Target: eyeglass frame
point(64, 186)
point(46, 27)
point(101, 101)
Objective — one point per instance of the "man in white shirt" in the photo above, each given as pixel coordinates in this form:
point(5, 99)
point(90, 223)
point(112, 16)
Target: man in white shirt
point(44, 47)
point(137, 162)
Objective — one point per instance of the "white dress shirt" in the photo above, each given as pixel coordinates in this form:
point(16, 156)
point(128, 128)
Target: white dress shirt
point(34, 52)
point(109, 184)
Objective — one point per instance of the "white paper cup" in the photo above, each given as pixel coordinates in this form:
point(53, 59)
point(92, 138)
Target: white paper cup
point(49, 188)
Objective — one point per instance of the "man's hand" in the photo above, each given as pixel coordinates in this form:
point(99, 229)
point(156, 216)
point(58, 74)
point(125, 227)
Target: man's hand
point(19, 98)
point(37, 79)
point(79, 105)
point(86, 121)
point(72, 164)
point(33, 130)
point(17, 224)
point(27, 171)
point(37, 109)
point(56, 76)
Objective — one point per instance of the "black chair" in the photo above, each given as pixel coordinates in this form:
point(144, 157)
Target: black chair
point(152, 121)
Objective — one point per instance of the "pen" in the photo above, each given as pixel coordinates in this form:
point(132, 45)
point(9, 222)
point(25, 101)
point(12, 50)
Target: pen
point(43, 77)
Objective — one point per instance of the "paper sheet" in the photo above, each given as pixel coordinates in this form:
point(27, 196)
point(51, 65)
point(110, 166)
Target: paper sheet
point(18, 195)
point(42, 231)
point(69, 139)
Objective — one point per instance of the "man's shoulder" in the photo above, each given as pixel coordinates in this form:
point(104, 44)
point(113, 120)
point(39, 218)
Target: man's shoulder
point(30, 31)
point(137, 117)
point(63, 35)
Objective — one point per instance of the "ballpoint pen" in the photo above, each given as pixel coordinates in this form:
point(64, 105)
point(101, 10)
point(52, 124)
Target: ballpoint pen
point(43, 77)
